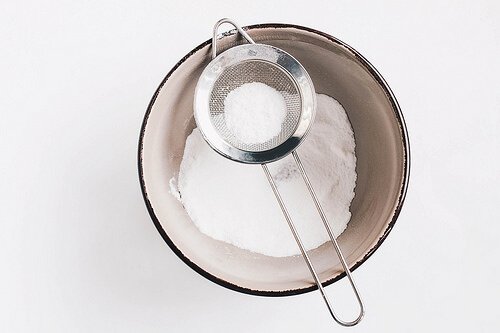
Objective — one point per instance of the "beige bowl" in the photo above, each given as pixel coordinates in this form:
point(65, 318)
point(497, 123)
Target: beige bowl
point(382, 163)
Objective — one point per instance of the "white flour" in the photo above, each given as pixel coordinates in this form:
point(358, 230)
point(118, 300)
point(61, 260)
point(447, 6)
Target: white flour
point(254, 112)
point(233, 202)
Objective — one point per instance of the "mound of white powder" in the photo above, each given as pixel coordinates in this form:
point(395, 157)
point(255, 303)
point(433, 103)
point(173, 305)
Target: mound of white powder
point(251, 105)
point(233, 203)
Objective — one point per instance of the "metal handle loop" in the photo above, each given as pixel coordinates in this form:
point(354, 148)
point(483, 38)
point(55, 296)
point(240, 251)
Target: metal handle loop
point(303, 250)
point(216, 28)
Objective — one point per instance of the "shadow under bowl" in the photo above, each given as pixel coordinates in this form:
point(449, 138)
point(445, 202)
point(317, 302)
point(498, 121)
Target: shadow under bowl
point(382, 152)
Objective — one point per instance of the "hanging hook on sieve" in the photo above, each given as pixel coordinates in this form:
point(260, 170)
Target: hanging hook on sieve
point(216, 29)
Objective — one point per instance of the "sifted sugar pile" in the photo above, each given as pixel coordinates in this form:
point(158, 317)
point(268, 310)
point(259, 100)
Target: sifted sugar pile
point(233, 203)
point(251, 105)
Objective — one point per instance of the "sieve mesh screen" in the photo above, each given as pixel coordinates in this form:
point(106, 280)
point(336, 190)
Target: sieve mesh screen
point(255, 71)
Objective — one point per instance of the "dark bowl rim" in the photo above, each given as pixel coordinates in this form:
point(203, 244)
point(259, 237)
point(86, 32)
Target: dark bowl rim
point(406, 172)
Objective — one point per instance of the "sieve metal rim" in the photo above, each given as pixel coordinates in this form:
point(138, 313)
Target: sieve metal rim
point(256, 52)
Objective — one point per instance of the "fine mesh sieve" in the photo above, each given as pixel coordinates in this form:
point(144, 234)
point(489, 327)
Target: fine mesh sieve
point(279, 70)
point(254, 63)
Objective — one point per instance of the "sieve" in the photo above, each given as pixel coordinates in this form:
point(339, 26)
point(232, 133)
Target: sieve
point(276, 68)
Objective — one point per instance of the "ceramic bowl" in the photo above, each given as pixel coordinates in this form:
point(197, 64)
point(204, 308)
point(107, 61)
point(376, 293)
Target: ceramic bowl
point(382, 152)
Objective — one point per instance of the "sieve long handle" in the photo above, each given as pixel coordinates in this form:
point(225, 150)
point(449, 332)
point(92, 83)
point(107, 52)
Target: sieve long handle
point(216, 28)
point(301, 245)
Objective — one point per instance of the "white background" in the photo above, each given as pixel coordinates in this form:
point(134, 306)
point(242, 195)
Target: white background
point(78, 251)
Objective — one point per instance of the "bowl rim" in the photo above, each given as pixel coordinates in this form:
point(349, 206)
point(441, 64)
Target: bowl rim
point(402, 194)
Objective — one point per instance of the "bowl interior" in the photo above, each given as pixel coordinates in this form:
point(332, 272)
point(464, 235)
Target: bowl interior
point(381, 150)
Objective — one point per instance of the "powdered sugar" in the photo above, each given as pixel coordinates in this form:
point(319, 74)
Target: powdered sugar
point(233, 202)
point(254, 112)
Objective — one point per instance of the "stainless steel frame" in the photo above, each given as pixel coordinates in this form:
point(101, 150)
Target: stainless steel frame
point(297, 72)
